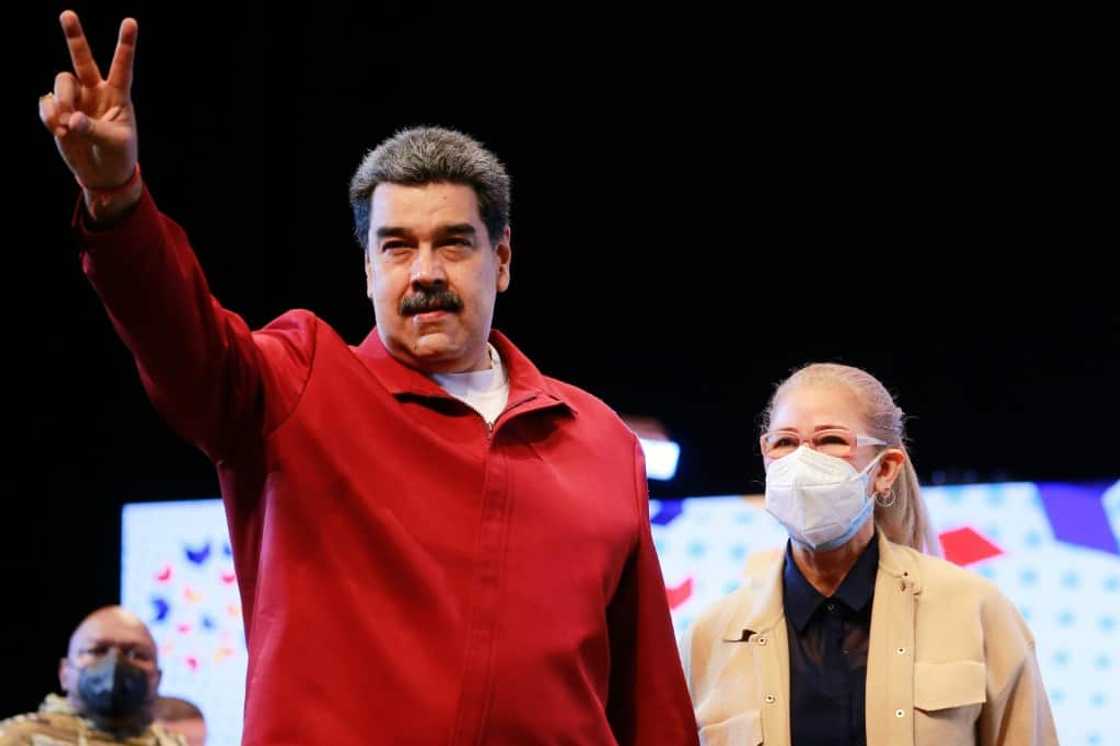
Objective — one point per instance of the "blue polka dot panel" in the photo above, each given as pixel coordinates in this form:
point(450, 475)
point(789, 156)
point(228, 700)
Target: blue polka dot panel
point(177, 574)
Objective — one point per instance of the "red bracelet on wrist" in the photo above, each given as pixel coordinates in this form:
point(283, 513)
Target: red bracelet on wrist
point(99, 199)
point(102, 193)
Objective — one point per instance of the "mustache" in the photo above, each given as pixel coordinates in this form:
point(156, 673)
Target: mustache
point(428, 300)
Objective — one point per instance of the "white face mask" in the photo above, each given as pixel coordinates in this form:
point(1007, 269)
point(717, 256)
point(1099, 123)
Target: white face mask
point(821, 500)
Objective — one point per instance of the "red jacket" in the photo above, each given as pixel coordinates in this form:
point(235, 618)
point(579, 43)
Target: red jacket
point(408, 576)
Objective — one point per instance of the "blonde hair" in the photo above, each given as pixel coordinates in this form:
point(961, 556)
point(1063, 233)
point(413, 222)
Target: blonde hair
point(904, 519)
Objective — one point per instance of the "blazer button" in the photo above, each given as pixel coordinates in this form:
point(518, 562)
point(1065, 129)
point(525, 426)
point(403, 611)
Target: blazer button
point(902, 651)
point(769, 699)
point(762, 641)
point(899, 713)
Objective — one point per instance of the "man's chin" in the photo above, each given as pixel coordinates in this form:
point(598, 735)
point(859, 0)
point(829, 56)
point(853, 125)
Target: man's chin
point(437, 352)
point(431, 350)
point(433, 346)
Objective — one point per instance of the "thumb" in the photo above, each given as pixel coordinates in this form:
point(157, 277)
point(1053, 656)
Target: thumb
point(104, 131)
point(87, 128)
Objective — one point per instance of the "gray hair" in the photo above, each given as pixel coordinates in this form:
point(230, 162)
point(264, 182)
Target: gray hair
point(429, 155)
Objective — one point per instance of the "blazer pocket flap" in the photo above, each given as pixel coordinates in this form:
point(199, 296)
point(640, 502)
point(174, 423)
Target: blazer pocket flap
point(938, 686)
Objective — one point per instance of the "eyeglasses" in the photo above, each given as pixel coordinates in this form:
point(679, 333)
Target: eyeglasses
point(835, 441)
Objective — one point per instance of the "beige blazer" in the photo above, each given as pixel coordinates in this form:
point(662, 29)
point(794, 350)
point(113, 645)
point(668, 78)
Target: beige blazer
point(951, 661)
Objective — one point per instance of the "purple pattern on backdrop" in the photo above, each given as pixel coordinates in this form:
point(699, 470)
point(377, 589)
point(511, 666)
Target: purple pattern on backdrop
point(670, 509)
point(162, 609)
point(198, 556)
point(1077, 515)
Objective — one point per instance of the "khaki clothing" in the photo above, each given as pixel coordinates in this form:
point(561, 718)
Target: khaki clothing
point(56, 724)
point(951, 661)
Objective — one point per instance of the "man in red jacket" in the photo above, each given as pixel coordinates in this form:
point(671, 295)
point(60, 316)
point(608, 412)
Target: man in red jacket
point(435, 543)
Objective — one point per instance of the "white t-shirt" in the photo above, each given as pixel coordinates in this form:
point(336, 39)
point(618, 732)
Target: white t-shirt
point(484, 391)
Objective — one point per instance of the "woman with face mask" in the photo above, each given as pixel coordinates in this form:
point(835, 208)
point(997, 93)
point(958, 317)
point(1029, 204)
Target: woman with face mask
point(857, 634)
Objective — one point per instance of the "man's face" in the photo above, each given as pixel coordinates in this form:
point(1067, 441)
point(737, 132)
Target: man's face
point(433, 273)
point(104, 634)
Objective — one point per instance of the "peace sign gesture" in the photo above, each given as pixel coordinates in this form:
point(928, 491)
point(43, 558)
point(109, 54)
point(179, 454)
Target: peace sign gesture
point(92, 118)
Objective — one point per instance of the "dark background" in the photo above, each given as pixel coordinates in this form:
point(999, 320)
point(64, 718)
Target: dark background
point(700, 204)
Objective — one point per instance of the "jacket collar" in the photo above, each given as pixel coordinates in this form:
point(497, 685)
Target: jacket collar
point(526, 382)
point(763, 608)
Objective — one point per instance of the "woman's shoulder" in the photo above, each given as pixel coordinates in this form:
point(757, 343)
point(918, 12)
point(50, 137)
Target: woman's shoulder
point(753, 600)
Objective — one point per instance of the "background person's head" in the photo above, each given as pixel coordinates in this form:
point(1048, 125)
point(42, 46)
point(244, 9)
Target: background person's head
point(111, 670)
point(178, 715)
point(823, 395)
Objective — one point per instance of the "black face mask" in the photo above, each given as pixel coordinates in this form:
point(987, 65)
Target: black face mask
point(113, 688)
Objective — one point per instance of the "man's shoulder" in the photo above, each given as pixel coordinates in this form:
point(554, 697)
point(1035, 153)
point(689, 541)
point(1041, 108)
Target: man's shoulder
point(301, 333)
point(166, 738)
point(54, 726)
point(591, 408)
point(294, 320)
point(38, 728)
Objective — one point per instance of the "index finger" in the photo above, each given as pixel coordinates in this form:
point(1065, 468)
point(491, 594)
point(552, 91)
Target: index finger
point(84, 66)
point(120, 71)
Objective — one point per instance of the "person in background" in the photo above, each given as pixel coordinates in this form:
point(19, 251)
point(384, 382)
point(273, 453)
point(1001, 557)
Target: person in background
point(182, 717)
point(857, 634)
point(111, 678)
